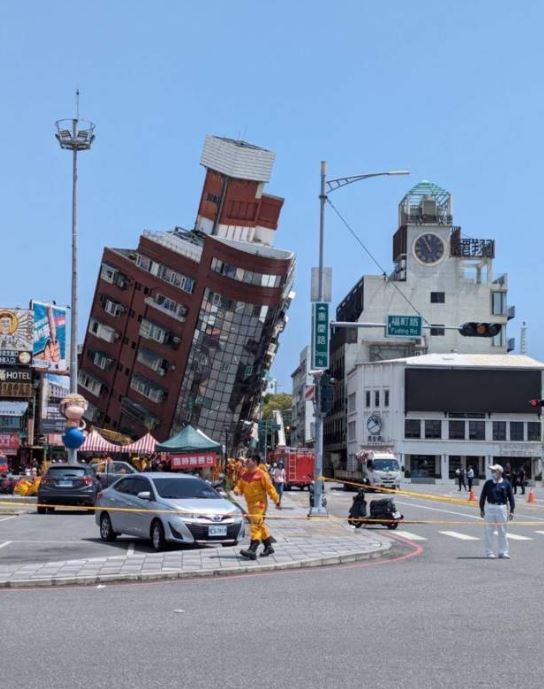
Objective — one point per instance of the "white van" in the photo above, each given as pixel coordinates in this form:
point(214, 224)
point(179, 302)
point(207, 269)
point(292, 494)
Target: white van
point(382, 469)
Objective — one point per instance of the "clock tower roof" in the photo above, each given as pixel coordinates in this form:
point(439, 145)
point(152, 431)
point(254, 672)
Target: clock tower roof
point(426, 202)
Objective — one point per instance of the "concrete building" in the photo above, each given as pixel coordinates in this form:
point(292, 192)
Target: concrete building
point(438, 273)
point(439, 412)
point(302, 419)
point(184, 328)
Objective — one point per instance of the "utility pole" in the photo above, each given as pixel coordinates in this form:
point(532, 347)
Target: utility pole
point(323, 300)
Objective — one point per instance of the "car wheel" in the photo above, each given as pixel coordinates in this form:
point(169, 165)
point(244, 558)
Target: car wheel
point(40, 509)
point(50, 510)
point(157, 536)
point(392, 525)
point(106, 529)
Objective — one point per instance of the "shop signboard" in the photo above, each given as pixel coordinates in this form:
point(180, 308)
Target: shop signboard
point(197, 461)
point(54, 388)
point(16, 338)
point(9, 443)
point(15, 382)
point(49, 342)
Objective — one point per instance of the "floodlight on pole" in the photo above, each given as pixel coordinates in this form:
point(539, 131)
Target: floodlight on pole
point(74, 135)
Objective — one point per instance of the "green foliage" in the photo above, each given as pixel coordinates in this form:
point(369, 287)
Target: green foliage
point(282, 401)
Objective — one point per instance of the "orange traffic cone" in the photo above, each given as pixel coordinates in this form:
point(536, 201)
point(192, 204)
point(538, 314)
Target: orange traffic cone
point(531, 497)
point(471, 496)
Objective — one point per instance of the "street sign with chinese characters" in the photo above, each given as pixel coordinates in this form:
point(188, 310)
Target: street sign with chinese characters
point(404, 326)
point(320, 335)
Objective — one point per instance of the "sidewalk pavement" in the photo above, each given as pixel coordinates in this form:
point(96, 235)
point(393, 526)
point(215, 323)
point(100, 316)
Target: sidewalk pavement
point(301, 542)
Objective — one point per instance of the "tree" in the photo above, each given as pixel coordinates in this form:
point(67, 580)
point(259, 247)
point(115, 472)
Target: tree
point(282, 401)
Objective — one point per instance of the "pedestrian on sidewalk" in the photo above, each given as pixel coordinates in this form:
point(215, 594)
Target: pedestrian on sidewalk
point(495, 496)
point(470, 477)
point(460, 473)
point(521, 480)
point(256, 487)
point(279, 477)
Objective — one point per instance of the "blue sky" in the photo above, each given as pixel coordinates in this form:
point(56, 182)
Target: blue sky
point(451, 91)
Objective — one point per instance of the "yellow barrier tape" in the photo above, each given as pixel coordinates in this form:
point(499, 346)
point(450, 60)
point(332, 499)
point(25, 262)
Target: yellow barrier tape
point(413, 494)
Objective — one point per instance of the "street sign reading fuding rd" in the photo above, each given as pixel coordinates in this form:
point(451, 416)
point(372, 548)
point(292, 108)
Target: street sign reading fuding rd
point(404, 326)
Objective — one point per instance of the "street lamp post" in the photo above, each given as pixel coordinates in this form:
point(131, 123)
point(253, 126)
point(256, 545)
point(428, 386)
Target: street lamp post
point(326, 187)
point(74, 135)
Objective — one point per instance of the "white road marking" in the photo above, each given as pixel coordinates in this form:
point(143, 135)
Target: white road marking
point(410, 536)
point(517, 537)
point(463, 514)
point(4, 519)
point(130, 550)
point(4, 544)
point(438, 509)
point(460, 536)
point(540, 532)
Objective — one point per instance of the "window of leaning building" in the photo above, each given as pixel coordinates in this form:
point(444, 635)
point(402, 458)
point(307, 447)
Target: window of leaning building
point(223, 370)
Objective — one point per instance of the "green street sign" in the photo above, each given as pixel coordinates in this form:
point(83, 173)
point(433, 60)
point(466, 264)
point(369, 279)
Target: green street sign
point(320, 335)
point(404, 326)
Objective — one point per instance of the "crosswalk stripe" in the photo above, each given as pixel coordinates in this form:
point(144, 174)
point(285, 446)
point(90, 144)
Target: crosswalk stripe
point(517, 537)
point(410, 536)
point(460, 536)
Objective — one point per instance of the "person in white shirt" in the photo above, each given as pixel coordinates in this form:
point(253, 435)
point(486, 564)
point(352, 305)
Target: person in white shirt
point(279, 476)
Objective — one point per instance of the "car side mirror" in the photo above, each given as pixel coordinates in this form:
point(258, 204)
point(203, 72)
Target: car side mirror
point(144, 495)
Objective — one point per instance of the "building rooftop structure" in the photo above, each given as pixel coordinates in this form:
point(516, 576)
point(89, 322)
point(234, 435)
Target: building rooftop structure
point(450, 360)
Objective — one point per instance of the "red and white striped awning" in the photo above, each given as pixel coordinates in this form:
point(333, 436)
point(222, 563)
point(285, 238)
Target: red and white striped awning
point(94, 442)
point(145, 445)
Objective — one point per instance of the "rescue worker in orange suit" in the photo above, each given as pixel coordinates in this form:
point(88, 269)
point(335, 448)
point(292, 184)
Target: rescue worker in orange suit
point(255, 485)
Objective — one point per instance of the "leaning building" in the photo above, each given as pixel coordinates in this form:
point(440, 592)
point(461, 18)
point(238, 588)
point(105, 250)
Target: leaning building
point(184, 327)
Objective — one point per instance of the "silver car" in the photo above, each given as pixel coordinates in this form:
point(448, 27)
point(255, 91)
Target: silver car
point(165, 507)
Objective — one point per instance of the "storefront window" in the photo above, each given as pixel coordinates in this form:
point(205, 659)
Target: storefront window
point(412, 428)
point(457, 430)
point(422, 466)
point(499, 430)
point(476, 430)
point(534, 431)
point(433, 429)
point(516, 430)
point(454, 463)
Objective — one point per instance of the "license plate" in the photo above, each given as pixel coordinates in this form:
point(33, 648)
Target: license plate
point(217, 530)
point(65, 484)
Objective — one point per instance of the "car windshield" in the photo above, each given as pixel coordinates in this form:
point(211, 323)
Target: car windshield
point(182, 488)
point(386, 464)
point(61, 472)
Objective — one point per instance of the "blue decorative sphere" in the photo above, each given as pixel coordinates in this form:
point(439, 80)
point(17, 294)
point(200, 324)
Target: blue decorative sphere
point(73, 438)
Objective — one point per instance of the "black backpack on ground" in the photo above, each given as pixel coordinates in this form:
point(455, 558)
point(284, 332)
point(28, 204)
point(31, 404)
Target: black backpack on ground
point(382, 508)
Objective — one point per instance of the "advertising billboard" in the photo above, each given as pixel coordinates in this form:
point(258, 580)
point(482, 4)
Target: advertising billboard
point(49, 345)
point(15, 336)
point(54, 389)
point(471, 391)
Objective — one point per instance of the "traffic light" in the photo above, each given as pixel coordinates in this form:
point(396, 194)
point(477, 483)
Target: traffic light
point(480, 329)
point(536, 403)
point(326, 393)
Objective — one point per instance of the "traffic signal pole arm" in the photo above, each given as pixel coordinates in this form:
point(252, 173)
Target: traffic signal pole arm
point(472, 329)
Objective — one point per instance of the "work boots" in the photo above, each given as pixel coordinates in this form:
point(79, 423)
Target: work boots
point(251, 552)
point(268, 549)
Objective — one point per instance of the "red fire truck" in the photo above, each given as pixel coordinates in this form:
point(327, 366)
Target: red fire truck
point(299, 465)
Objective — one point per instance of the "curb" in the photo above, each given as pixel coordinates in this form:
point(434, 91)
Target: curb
point(197, 574)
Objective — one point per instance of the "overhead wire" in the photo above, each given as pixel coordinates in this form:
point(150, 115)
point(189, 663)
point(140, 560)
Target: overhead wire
point(375, 260)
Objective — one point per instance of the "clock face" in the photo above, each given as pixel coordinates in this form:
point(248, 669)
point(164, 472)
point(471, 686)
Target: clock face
point(429, 248)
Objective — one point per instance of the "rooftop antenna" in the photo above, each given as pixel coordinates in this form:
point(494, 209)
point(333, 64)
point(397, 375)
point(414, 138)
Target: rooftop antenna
point(523, 349)
point(77, 104)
